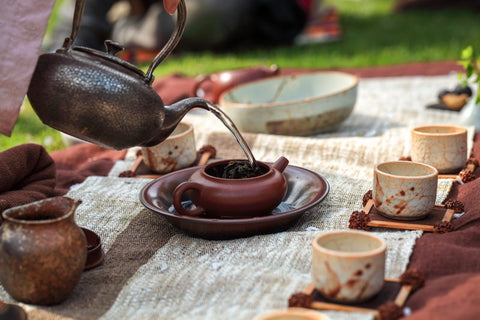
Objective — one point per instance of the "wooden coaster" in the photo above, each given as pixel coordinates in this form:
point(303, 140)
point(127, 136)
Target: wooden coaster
point(461, 176)
point(430, 223)
point(392, 291)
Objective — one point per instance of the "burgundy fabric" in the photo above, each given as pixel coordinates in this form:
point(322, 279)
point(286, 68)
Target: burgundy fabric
point(174, 87)
point(451, 261)
point(27, 175)
point(74, 164)
point(456, 296)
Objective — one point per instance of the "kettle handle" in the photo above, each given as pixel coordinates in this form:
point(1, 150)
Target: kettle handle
point(162, 55)
point(77, 18)
point(172, 41)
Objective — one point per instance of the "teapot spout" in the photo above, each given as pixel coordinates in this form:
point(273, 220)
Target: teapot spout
point(280, 164)
point(174, 113)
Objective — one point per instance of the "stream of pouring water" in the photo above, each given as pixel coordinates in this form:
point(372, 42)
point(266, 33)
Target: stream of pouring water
point(234, 130)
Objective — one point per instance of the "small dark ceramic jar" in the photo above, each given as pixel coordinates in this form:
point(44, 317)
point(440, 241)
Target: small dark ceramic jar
point(233, 198)
point(42, 251)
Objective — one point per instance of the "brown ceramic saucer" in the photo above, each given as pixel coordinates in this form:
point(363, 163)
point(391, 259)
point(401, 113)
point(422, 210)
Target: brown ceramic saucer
point(305, 189)
point(95, 253)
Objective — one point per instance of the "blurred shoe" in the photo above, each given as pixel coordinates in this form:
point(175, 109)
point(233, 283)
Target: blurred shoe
point(324, 27)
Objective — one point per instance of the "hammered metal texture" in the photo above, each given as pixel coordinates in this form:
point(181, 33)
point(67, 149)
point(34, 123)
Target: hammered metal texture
point(97, 100)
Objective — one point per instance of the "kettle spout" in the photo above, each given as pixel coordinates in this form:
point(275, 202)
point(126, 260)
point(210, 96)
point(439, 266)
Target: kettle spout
point(175, 112)
point(280, 164)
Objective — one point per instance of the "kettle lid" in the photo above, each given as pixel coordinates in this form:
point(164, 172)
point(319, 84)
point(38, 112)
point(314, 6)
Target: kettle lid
point(112, 48)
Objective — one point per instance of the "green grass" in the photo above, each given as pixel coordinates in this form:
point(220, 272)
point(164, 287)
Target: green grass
point(373, 35)
point(29, 129)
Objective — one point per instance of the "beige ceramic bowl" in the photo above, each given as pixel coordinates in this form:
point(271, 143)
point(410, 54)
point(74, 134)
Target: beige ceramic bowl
point(292, 314)
point(292, 104)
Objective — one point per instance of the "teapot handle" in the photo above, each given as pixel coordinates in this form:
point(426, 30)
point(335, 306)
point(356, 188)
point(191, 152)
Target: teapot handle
point(162, 55)
point(172, 41)
point(177, 198)
point(77, 18)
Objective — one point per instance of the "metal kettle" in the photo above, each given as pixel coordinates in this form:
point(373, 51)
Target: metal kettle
point(103, 99)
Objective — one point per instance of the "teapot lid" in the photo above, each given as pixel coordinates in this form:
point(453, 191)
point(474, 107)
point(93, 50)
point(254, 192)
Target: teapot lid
point(112, 49)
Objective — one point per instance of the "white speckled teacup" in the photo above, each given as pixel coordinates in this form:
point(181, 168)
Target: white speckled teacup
point(348, 266)
point(176, 152)
point(404, 190)
point(444, 147)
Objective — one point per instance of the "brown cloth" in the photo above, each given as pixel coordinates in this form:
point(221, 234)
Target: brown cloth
point(74, 164)
point(174, 87)
point(27, 175)
point(451, 261)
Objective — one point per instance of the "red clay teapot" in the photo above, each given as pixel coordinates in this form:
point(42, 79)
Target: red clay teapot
point(219, 197)
point(100, 98)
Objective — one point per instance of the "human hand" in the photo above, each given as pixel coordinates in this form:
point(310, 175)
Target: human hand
point(170, 5)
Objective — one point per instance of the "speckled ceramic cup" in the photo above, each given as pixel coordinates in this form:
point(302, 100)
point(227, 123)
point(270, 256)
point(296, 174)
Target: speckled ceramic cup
point(444, 147)
point(348, 266)
point(176, 152)
point(404, 190)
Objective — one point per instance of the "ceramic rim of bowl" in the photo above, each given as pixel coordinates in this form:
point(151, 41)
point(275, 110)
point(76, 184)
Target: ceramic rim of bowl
point(275, 104)
point(450, 131)
point(434, 171)
point(6, 214)
point(382, 245)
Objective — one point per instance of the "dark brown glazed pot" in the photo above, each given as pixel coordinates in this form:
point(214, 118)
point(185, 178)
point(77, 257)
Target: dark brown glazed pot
point(233, 198)
point(42, 251)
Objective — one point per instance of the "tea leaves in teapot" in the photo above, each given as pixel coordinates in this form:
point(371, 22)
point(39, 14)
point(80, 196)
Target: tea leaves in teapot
point(236, 170)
